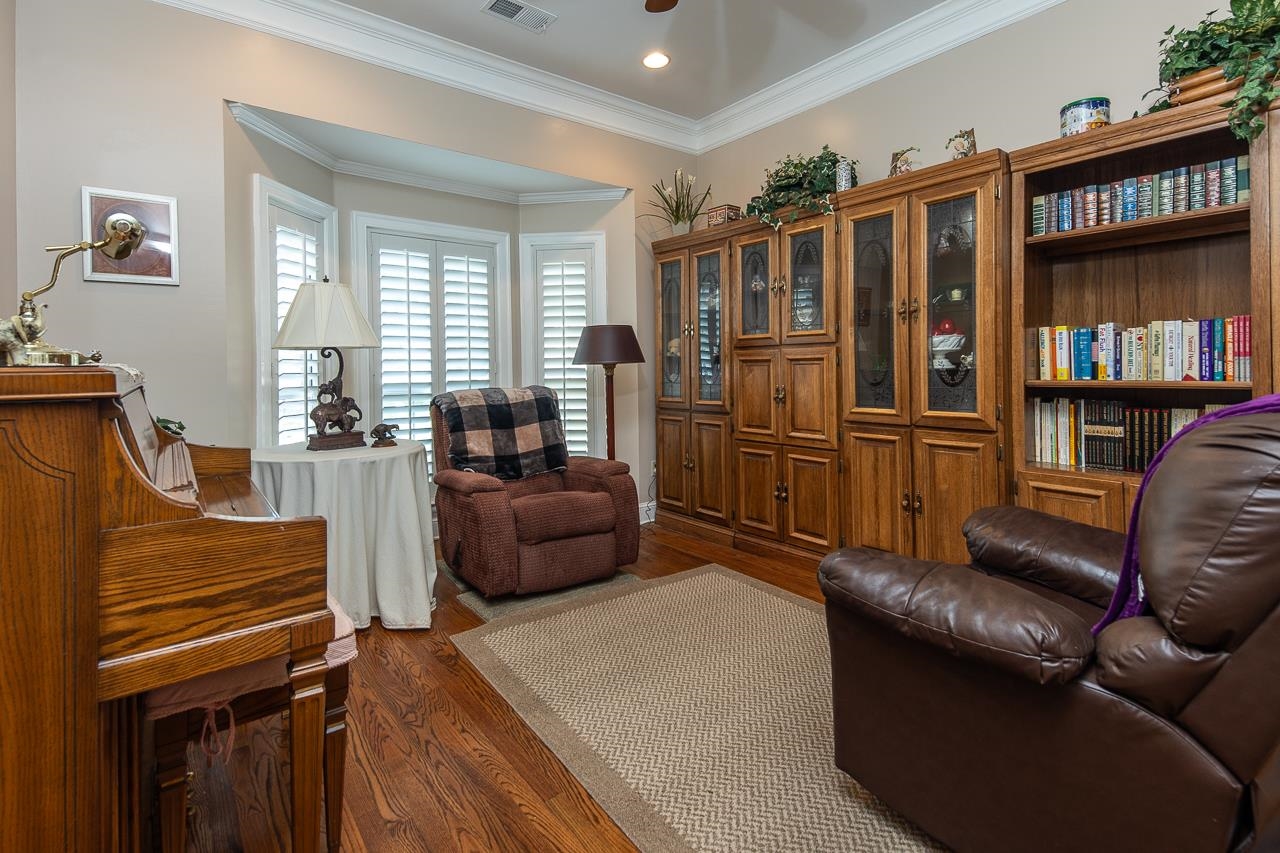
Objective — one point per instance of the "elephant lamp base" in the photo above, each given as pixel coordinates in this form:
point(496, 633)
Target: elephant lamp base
point(334, 411)
point(336, 440)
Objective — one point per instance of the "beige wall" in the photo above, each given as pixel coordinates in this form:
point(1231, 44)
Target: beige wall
point(1008, 85)
point(8, 158)
point(169, 139)
point(245, 154)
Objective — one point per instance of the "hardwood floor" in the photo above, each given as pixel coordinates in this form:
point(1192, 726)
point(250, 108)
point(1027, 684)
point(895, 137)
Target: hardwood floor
point(436, 759)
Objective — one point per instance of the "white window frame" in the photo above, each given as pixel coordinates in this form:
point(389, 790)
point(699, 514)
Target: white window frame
point(365, 223)
point(268, 192)
point(597, 311)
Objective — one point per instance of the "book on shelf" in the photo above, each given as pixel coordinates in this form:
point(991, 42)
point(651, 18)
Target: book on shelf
point(1181, 176)
point(1077, 208)
point(1164, 202)
point(1104, 205)
point(1242, 178)
point(1213, 183)
point(1037, 215)
point(1195, 188)
point(1129, 200)
point(1064, 211)
point(1145, 188)
point(1090, 205)
point(1110, 435)
point(1051, 213)
point(1228, 171)
point(1215, 349)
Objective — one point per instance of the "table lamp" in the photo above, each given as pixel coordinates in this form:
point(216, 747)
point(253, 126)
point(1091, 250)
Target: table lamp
point(608, 345)
point(326, 316)
point(20, 335)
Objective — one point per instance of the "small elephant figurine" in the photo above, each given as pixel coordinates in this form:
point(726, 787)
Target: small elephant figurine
point(384, 435)
point(336, 414)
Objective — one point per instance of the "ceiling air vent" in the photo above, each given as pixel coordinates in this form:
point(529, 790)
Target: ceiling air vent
point(522, 14)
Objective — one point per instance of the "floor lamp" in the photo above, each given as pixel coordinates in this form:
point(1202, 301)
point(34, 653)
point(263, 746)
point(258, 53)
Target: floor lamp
point(608, 345)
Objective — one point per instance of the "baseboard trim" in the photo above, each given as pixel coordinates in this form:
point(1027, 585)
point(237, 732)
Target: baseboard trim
point(695, 527)
point(648, 512)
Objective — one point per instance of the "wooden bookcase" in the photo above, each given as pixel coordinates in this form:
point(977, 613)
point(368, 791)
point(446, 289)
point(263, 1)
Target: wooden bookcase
point(1213, 262)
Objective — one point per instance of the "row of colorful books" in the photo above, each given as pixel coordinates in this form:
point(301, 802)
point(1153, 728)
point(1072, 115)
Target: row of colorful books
point(1107, 434)
point(1217, 349)
point(1178, 190)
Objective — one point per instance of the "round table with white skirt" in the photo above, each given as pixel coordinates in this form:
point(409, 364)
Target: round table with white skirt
point(377, 502)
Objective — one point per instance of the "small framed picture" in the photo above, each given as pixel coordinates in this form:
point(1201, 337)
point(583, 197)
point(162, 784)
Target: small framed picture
point(156, 260)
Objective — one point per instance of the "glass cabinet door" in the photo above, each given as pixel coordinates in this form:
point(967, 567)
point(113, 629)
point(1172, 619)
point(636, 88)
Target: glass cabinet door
point(807, 315)
point(953, 306)
point(673, 329)
point(756, 318)
point(708, 327)
point(875, 313)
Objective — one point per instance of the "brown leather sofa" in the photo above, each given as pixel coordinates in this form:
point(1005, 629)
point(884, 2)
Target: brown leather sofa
point(975, 700)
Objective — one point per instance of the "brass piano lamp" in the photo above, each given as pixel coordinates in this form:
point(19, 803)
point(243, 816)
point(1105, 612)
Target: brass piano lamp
point(20, 335)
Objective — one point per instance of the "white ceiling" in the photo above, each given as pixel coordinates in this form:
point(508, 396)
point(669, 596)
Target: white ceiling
point(360, 152)
point(721, 50)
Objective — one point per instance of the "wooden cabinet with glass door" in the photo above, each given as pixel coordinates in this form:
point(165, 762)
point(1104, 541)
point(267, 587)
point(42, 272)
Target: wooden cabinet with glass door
point(807, 281)
point(693, 474)
point(1150, 271)
point(922, 288)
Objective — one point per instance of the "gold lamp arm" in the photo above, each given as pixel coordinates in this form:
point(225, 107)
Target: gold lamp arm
point(66, 252)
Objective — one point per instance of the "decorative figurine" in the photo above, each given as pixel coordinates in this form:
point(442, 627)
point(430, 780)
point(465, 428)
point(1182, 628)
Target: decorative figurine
point(963, 144)
point(900, 163)
point(384, 435)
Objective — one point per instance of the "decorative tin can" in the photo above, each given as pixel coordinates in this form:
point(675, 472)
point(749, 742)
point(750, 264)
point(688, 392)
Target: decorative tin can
point(1085, 114)
point(844, 174)
point(722, 213)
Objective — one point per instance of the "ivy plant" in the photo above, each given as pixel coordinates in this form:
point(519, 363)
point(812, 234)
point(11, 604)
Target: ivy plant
point(803, 183)
point(1246, 44)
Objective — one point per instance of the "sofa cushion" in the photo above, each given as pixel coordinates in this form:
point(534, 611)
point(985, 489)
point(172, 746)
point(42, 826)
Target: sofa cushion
point(562, 515)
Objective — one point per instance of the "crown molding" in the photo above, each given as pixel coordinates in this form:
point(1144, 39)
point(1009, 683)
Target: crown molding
point(335, 27)
point(249, 118)
point(338, 28)
point(566, 196)
point(933, 31)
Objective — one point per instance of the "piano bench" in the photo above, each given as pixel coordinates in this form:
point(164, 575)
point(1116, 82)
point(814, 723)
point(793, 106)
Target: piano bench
point(250, 692)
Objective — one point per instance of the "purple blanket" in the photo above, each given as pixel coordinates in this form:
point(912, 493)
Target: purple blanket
point(1130, 599)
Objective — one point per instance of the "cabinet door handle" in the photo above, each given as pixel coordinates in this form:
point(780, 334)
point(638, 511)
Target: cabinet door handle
point(919, 504)
point(915, 307)
point(773, 286)
point(780, 394)
point(902, 311)
point(777, 491)
point(785, 497)
point(782, 284)
point(688, 461)
point(906, 496)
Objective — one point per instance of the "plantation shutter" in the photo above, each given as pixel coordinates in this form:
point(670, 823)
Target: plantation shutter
point(295, 254)
point(434, 312)
point(563, 292)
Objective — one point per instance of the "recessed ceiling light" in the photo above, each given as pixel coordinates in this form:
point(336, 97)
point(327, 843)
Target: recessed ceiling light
point(657, 59)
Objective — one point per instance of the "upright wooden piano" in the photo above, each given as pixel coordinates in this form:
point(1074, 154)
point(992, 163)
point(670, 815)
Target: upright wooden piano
point(126, 564)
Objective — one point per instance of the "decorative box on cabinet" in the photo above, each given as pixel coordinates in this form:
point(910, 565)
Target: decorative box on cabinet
point(923, 293)
point(788, 495)
point(1211, 262)
point(910, 490)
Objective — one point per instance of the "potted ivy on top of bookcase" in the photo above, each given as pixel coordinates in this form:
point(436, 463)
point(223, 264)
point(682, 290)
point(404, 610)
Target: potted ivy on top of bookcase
point(1234, 57)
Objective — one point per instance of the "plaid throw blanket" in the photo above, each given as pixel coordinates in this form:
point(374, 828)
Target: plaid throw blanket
point(508, 433)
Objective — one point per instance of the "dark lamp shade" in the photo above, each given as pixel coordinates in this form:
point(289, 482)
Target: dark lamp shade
point(608, 344)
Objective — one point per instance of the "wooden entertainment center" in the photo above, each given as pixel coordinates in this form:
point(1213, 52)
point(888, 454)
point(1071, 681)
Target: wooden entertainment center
point(870, 378)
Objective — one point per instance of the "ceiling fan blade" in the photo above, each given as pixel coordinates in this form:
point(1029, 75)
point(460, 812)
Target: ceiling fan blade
point(660, 5)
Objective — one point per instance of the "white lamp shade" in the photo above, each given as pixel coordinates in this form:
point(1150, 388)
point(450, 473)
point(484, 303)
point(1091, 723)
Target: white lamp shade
point(324, 314)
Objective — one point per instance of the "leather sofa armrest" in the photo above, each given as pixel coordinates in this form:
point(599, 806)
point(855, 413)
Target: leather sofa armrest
point(468, 482)
point(1066, 556)
point(590, 466)
point(962, 611)
point(1138, 658)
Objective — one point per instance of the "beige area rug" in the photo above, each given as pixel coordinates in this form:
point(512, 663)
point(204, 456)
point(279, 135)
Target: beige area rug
point(696, 709)
point(489, 609)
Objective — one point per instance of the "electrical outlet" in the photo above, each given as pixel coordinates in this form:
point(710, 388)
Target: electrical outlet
point(655, 466)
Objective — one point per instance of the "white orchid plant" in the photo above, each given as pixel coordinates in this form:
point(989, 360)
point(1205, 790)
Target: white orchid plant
point(678, 203)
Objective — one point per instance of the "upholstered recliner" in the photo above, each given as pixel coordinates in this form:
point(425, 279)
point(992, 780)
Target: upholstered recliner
point(540, 532)
point(975, 700)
